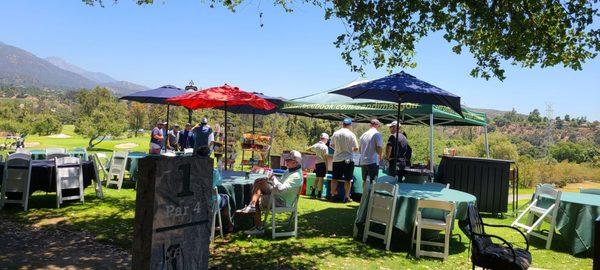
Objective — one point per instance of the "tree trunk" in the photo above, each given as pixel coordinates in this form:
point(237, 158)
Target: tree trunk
point(91, 143)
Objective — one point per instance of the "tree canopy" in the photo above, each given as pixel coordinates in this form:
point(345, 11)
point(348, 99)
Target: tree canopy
point(528, 33)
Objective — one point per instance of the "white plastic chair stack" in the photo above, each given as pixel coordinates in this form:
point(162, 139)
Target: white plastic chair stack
point(16, 179)
point(433, 224)
point(216, 215)
point(55, 156)
point(96, 162)
point(116, 172)
point(537, 213)
point(293, 209)
point(69, 175)
point(51, 151)
point(380, 209)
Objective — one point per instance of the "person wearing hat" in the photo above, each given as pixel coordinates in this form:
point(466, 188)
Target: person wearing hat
point(203, 137)
point(157, 138)
point(370, 149)
point(396, 167)
point(321, 150)
point(173, 138)
point(185, 137)
point(344, 144)
point(285, 190)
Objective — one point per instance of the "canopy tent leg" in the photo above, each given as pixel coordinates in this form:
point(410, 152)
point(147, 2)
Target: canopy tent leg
point(253, 133)
point(397, 170)
point(487, 146)
point(431, 150)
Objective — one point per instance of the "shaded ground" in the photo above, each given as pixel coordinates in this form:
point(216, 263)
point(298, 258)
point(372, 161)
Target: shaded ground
point(48, 247)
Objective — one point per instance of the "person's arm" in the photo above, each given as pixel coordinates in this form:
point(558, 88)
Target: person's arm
point(211, 139)
point(355, 147)
point(157, 135)
point(379, 146)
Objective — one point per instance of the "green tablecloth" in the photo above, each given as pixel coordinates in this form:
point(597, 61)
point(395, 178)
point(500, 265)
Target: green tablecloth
point(575, 219)
point(406, 204)
point(132, 163)
point(237, 187)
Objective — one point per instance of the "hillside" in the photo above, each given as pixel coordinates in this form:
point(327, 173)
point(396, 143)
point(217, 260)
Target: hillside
point(21, 68)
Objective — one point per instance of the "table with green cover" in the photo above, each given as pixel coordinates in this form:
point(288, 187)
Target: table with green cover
point(575, 219)
point(406, 204)
point(238, 187)
point(357, 187)
point(132, 163)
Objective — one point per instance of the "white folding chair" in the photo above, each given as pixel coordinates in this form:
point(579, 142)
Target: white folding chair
point(273, 209)
point(16, 179)
point(69, 175)
point(216, 214)
point(433, 224)
point(23, 151)
point(50, 151)
point(538, 212)
point(386, 179)
point(116, 172)
point(380, 209)
point(55, 156)
point(95, 161)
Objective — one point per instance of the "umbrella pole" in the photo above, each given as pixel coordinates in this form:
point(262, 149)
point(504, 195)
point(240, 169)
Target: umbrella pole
point(167, 127)
point(431, 146)
point(225, 152)
point(253, 131)
point(397, 139)
point(189, 116)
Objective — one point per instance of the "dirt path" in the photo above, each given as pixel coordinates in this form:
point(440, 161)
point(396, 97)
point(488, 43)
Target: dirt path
point(26, 247)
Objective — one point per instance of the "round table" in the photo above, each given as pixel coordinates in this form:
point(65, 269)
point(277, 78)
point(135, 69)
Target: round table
point(575, 219)
point(238, 187)
point(43, 177)
point(406, 204)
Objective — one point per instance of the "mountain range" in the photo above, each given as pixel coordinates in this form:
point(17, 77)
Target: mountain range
point(21, 68)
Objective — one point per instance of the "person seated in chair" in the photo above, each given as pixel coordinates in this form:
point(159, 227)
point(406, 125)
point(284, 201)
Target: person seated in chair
point(285, 190)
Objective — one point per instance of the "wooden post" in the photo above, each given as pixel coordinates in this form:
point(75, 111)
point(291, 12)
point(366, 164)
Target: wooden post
point(173, 212)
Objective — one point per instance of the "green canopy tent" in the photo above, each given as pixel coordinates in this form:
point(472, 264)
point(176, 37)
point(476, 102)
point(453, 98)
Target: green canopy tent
point(337, 107)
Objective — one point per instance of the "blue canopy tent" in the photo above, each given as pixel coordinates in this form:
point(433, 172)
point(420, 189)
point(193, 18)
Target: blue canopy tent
point(403, 87)
point(156, 96)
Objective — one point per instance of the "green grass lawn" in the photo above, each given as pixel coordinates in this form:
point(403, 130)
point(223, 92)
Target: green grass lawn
point(325, 239)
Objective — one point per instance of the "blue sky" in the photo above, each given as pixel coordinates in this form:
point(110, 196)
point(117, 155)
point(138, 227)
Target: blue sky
point(292, 55)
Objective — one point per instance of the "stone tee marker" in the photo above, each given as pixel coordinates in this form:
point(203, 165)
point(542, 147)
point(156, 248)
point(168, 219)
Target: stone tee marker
point(172, 226)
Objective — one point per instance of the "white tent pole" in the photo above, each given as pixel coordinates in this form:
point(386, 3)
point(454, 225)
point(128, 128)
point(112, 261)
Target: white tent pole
point(487, 146)
point(431, 142)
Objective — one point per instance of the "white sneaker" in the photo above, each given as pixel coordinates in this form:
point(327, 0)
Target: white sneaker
point(255, 231)
point(248, 209)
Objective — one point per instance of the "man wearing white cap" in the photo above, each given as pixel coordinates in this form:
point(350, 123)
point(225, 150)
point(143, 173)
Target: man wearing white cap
point(344, 144)
point(285, 190)
point(320, 149)
point(370, 149)
point(396, 167)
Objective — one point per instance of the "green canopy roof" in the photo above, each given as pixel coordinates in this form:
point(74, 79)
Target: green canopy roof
point(336, 107)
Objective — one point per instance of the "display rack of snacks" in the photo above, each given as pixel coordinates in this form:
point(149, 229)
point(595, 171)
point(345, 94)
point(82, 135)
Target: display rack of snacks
point(257, 145)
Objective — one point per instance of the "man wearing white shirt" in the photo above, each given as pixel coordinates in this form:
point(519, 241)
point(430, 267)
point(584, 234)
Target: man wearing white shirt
point(370, 149)
point(344, 144)
point(321, 150)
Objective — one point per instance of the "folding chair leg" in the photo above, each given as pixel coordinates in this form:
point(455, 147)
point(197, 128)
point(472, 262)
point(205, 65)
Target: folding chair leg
point(220, 222)
point(418, 247)
point(212, 228)
point(273, 228)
